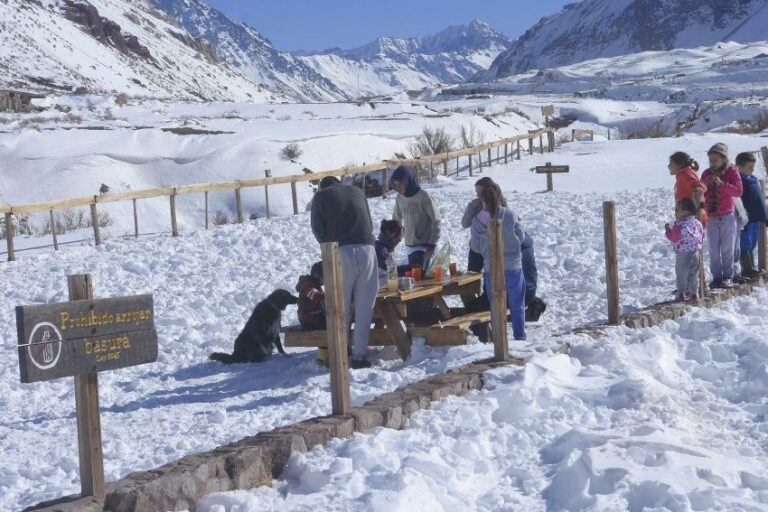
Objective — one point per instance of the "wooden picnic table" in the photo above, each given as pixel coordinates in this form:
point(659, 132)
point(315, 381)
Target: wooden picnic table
point(388, 302)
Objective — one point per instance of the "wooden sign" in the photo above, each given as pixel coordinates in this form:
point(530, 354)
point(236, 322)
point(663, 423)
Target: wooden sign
point(547, 110)
point(85, 336)
point(549, 168)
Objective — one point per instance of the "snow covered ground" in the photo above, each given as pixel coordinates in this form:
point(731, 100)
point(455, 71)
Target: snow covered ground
point(206, 282)
point(670, 418)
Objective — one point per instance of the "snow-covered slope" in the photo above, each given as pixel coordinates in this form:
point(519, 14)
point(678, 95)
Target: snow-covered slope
point(111, 46)
point(244, 47)
point(389, 65)
point(606, 28)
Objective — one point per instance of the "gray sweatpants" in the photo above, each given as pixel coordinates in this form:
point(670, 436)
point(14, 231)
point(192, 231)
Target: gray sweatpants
point(687, 266)
point(359, 269)
point(721, 232)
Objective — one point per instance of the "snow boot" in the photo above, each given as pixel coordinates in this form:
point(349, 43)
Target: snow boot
point(748, 265)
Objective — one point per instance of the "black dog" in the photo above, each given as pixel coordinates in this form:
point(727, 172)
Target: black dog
point(261, 332)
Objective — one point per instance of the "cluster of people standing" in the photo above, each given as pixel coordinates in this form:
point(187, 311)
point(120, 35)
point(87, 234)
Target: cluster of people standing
point(727, 206)
point(340, 214)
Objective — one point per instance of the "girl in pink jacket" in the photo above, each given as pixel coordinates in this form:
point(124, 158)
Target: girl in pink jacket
point(723, 184)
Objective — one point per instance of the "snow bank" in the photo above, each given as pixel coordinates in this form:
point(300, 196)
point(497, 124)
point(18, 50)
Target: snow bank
point(668, 418)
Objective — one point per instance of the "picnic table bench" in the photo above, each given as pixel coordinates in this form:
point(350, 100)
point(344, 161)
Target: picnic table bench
point(391, 315)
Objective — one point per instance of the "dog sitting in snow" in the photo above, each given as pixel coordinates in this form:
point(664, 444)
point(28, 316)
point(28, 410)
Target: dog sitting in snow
point(262, 331)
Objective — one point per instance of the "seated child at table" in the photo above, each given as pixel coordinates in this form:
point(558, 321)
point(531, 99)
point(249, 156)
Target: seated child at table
point(312, 299)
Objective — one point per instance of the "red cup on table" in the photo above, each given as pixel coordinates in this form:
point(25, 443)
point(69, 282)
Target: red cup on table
point(438, 274)
point(416, 273)
point(408, 273)
point(452, 268)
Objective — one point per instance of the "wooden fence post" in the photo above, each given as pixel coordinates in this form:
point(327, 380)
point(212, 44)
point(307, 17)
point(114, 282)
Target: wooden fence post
point(498, 292)
point(268, 174)
point(530, 145)
point(135, 219)
point(9, 235)
point(445, 167)
point(458, 166)
point(174, 223)
point(206, 209)
point(338, 362)
point(506, 153)
point(385, 183)
point(573, 135)
point(551, 142)
point(295, 198)
point(489, 157)
point(519, 150)
point(239, 204)
point(53, 232)
point(95, 222)
point(87, 404)
point(762, 241)
point(611, 263)
point(470, 166)
point(541, 143)
point(480, 162)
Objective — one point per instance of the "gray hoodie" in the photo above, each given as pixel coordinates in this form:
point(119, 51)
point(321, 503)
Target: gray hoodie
point(420, 219)
point(511, 233)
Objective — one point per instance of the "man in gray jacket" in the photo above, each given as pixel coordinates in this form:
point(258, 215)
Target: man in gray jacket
point(340, 214)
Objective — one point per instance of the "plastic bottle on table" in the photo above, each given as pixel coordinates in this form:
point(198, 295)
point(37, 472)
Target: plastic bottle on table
point(391, 274)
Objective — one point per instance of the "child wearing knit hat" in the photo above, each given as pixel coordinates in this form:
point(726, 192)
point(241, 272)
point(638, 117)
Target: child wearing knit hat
point(723, 184)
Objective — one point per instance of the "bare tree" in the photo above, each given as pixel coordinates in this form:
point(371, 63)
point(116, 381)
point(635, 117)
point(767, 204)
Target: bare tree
point(432, 141)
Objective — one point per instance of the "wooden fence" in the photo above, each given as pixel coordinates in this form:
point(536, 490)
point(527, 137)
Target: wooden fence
point(474, 156)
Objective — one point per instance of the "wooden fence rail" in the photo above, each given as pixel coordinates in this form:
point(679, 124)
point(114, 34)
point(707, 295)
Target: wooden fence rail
point(236, 186)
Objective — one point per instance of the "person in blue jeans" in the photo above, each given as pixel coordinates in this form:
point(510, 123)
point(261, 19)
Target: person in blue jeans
point(513, 258)
point(757, 213)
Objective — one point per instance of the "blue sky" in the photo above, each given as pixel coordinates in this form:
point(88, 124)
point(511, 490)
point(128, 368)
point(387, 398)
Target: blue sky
point(322, 24)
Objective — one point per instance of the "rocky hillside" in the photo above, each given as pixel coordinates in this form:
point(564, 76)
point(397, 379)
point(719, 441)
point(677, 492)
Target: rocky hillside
point(105, 46)
point(606, 28)
point(389, 65)
point(246, 49)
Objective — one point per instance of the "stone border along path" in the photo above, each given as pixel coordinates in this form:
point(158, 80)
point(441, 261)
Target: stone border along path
point(258, 460)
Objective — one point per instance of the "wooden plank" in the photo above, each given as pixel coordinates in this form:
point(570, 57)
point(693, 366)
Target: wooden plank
point(5, 208)
point(95, 224)
point(338, 362)
point(296, 337)
point(436, 336)
point(498, 291)
point(202, 187)
point(9, 234)
point(445, 311)
point(53, 232)
point(396, 330)
point(91, 457)
point(53, 205)
point(611, 263)
point(135, 194)
point(406, 296)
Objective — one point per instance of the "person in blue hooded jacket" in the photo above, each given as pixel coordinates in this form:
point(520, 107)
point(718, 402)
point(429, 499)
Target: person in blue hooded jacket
point(416, 211)
point(757, 213)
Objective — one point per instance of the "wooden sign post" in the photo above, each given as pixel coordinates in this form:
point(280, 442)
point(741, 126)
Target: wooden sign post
point(548, 169)
point(81, 338)
point(338, 360)
point(498, 292)
point(611, 263)
point(547, 111)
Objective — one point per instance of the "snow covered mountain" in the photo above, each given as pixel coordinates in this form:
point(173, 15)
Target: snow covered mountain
point(389, 65)
point(592, 29)
point(245, 48)
point(105, 46)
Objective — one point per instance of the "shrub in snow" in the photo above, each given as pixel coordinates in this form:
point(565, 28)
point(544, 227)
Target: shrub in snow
point(471, 137)
point(432, 141)
point(284, 118)
point(292, 151)
point(221, 218)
